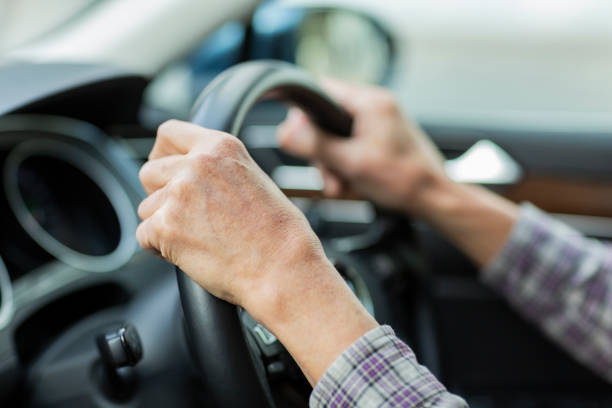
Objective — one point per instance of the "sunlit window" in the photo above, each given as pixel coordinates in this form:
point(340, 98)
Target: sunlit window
point(24, 20)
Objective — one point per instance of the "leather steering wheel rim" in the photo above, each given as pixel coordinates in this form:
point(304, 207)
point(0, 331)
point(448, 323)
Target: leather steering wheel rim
point(231, 376)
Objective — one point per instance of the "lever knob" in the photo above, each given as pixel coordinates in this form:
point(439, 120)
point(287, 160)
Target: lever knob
point(121, 347)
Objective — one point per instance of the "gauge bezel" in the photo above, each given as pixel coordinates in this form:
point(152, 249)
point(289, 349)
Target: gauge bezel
point(6, 290)
point(98, 174)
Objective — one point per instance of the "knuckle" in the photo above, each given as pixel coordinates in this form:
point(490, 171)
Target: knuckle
point(165, 130)
point(229, 146)
point(180, 189)
point(203, 162)
point(140, 235)
point(140, 210)
point(387, 101)
point(145, 236)
point(173, 209)
point(144, 173)
point(163, 225)
point(165, 133)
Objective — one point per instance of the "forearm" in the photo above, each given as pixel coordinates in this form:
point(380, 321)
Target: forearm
point(561, 280)
point(316, 316)
point(311, 310)
point(476, 220)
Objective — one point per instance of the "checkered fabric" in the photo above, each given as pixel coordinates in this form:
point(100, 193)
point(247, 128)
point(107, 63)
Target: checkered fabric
point(561, 281)
point(379, 370)
point(551, 273)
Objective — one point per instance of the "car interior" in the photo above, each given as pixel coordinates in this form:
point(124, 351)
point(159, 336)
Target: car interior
point(517, 96)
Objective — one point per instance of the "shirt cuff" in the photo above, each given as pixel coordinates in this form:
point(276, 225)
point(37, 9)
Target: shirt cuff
point(380, 370)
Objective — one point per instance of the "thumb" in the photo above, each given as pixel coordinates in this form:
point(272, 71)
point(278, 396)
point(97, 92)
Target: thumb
point(299, 136)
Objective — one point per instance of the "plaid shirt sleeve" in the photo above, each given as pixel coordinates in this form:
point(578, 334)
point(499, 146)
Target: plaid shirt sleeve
point(551, 273)
point(379, 370)
point(562, 281)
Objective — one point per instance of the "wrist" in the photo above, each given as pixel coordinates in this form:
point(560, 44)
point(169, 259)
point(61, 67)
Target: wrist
point(449, 202)
point(476, 220)
point(275, 298)
point(311, 310)
point(434, 193)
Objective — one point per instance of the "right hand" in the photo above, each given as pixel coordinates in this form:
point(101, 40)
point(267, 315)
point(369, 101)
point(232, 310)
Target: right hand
point(388, 159)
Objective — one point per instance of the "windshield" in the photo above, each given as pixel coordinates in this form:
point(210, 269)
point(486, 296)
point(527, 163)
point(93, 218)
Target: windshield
point(467, 59)
point(25, 20)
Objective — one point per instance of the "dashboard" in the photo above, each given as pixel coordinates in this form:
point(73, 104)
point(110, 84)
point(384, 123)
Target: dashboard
point(72, 138)
point(62, 199)
point(70, 266)
point(68, 213)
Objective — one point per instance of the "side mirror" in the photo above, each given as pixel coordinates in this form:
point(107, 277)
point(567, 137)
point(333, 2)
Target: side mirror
point(324, 41)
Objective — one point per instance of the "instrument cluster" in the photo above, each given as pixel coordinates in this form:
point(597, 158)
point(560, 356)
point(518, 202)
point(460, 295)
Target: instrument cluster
point(62, 202)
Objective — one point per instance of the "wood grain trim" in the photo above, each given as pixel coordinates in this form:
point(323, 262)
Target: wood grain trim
point(565, 196)
point(290, 192)
point(553, 194)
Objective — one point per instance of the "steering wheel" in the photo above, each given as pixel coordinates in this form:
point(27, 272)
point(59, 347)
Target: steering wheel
point(233, 373)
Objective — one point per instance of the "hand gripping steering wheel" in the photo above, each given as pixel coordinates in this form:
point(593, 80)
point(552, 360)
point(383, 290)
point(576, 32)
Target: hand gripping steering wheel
point(233, 374)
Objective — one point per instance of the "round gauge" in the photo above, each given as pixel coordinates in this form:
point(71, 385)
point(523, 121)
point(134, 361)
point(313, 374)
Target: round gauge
point(343, 44)
point(6, 296)
point(71, 205)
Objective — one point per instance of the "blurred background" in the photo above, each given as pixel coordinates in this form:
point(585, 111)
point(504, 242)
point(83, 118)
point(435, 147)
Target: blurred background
point(517, 94)
point(478, 61)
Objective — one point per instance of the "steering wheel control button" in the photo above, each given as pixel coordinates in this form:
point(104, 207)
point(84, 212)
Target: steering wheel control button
point(263, 335)
point(121, 347)
point(267, 342)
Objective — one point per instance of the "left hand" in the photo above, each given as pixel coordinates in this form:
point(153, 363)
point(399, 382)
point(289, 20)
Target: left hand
point(214, 213)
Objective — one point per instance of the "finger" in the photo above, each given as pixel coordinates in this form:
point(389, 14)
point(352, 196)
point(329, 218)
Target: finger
point(152, 203)
point(297, 135)
point(300, 137)
point(349, 96)
point(156, 173)
point(292, 133)
point(307, 141)
point(178, 137)
point(146, 236)
point(332, 184)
